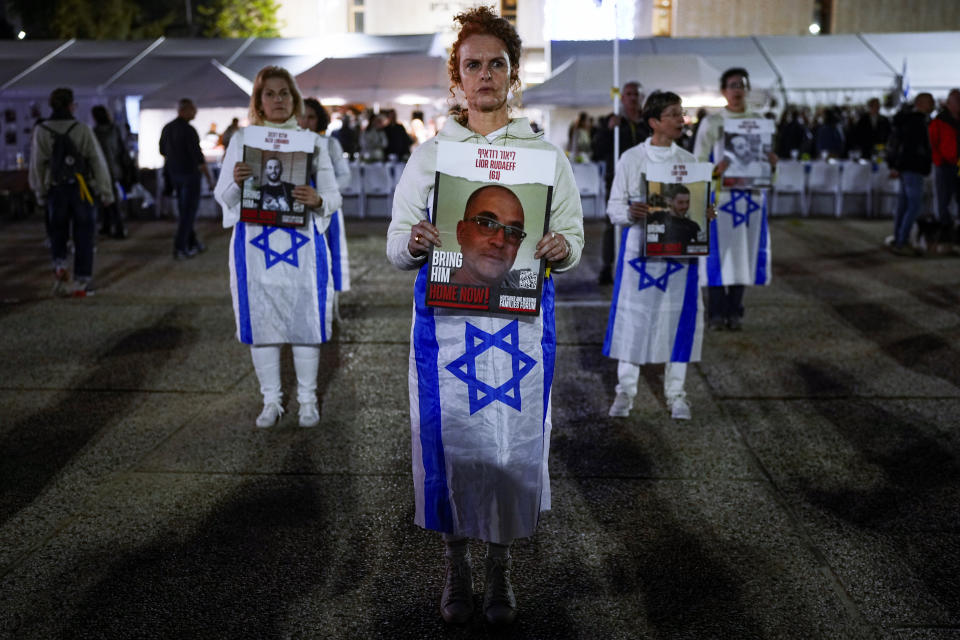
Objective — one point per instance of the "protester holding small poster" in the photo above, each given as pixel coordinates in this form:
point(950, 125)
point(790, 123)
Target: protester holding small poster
point(480, 191)
point(480, 380)
point(656, 314)
point(740, 236)
point(280, 276)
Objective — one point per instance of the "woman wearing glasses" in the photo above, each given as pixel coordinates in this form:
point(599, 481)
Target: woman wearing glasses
point(481, 471)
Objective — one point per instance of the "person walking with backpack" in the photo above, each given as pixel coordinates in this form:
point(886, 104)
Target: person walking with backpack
point(67, 170)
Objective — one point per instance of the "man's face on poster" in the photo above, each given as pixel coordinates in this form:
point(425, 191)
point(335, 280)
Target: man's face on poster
point(274, 170)
point(680, 205)
point(741, 148)
point(489, 249)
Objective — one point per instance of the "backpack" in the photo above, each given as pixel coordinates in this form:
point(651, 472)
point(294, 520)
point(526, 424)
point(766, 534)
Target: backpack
point(65, 160)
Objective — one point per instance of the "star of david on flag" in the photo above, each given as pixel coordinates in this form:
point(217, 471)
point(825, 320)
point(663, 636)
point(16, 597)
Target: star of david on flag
point(647, 280)
point(465, 367)
point(736, 195)
point(273, 256)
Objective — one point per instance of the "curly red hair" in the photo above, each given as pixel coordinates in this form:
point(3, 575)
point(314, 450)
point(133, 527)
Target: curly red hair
point(484, 21)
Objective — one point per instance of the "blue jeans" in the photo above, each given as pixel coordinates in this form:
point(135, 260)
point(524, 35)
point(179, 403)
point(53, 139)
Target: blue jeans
point(65, 208)
point(188, 201)
point(947, 184)
point(909, 204)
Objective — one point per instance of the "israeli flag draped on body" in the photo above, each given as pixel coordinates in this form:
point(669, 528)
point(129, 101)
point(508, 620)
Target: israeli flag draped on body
point(339, 256)
point(740, 252)
point(656, 314)
point(739, 240)
point(280, 277)
point(479, 406)
point(278, 273)
point(480, 383)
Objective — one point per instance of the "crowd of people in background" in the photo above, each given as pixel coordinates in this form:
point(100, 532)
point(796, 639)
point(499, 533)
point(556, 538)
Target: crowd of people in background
point(910, 142)
point(803, 132)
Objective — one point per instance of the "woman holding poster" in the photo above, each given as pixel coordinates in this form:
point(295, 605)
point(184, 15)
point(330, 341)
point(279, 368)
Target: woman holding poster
point(315, 118)
point(280, 277)
point(480, 381)
point(740, 236)
point(656, 314)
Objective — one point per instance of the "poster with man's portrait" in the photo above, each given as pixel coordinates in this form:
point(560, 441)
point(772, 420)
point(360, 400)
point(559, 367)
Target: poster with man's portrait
point(746, 145)
point(281, 159)
point(491, 206)
point(678, 195)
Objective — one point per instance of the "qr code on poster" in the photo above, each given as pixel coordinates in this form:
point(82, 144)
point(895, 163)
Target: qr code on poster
point(528, 279)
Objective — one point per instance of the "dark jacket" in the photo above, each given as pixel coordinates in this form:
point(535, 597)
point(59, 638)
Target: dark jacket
point(631, 134)
point(180, 146)
point(398, 140)
point(909, 145)
point(866, 136)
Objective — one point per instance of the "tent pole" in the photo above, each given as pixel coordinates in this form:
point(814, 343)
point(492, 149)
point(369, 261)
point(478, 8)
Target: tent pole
point(140, 56)
point(39, 63)
point(780, 85)
point(615, 93)
point(236, 54)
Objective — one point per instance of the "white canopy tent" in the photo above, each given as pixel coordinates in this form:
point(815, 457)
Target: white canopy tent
point(584, 81)
point(831, 69)
point(810, 70)
point(209, 83)
point(162, 70)
point(807, 70)
point(404, 79)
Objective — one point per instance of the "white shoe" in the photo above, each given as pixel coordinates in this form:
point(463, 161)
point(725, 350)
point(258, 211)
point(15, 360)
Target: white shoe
point(621, 406)
point(680, 410)
point(270, 415)
point(309, 416)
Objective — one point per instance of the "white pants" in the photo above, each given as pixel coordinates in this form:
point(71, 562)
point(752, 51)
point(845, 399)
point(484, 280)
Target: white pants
point(266, 362)
point(674, 374)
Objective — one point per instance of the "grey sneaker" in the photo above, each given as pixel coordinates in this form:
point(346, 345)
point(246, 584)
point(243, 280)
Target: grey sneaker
point(456, 603)
point(499, 603)
point(680, 410)
point(270, 415)
point(734, 323)
point(621, 406)
point(309, 415)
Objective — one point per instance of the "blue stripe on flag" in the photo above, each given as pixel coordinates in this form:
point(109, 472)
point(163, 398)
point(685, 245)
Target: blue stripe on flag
point(333, 237)
point(320, 249)
point(617, 281)
point(714, 272)
point(243, 297)
point(687, 324)
point(548, 341)
point(437, 513)
point(762, 248)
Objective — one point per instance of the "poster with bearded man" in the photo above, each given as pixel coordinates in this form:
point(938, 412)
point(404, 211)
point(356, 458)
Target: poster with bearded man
point(491, 206)
point(280, 159)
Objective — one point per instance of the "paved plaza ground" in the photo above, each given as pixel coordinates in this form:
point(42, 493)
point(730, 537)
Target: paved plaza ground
point(814, 494)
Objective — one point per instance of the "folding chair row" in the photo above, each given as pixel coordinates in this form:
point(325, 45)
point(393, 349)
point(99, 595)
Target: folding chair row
point(590, 184)
point(370, 192)
point(815, 183)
